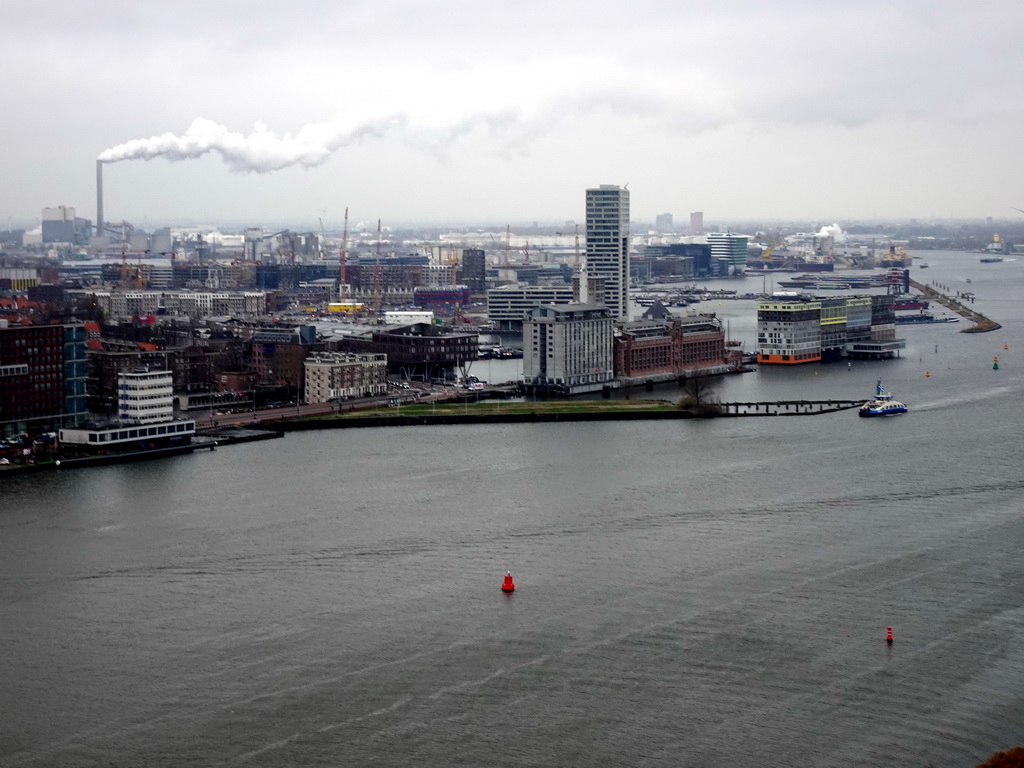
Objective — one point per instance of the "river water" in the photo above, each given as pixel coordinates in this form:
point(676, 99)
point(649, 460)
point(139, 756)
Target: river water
point(710, 593)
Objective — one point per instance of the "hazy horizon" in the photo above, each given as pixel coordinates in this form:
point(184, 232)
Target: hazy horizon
point(467, 112)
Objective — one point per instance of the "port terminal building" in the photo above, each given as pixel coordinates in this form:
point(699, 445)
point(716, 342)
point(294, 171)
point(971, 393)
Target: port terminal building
point(793, 329)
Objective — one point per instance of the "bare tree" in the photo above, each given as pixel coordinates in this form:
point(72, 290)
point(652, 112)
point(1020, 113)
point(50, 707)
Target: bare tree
point(699, 397)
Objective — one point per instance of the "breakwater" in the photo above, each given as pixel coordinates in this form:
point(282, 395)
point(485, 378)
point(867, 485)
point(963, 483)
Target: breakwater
point(982, 324)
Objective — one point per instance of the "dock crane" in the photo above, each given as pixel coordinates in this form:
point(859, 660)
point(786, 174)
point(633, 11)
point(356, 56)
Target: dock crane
point(562, 234)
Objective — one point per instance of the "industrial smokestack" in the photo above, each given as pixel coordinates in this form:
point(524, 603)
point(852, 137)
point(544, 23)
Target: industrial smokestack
point(99, 198)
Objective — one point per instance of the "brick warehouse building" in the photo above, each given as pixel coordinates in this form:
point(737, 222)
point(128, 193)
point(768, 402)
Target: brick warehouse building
point(669, 348)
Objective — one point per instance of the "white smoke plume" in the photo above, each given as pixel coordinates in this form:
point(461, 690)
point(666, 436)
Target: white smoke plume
point(261, 151)
point(516, 123)
point(834, 231)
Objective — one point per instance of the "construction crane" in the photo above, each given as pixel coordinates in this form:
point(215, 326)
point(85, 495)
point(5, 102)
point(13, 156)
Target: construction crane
point(140, 282)
point(127, 279)
point(376, 275)
point(341, 262)
point(124, 265)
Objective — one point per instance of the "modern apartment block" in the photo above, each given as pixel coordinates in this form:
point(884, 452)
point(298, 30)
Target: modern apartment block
point(474, 269)
point(509, 305)
point(607, 209)
point(340, 376)
point(805, 329)
point(567, 348)
point(187, 303)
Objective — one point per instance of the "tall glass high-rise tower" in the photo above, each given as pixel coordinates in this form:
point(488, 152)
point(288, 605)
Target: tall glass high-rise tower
point(608, 244)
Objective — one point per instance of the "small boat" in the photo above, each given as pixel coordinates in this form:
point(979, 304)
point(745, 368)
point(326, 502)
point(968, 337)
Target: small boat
point(883, 404)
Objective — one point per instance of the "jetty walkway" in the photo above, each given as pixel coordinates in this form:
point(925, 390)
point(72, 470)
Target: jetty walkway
point(788, 407)
point(981, 323)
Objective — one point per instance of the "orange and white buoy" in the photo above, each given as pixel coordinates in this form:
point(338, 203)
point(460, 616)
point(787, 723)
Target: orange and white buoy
point(888, 635)
point(507, 585)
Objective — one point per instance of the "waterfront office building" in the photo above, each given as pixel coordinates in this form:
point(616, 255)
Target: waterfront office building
point(145, 397)
point(730, 247)
point(805, 329)
point(567, 348)
point(42, 377)
point(146, 417)
point(608, 244)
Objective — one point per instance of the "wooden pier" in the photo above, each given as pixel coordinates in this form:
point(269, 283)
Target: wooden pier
point(788, 407)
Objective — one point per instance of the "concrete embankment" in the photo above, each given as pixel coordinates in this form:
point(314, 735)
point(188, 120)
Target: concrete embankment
point(726, 410)
point(232, 435)
point(480, 418)
point(78, 462)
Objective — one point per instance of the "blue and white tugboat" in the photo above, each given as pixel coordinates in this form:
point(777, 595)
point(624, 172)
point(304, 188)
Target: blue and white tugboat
point(882, 405)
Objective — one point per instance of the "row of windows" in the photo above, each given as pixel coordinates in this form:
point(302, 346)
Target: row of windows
point(128, 434)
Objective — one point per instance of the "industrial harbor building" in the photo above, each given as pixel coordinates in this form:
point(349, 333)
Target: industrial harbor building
point(804, 329)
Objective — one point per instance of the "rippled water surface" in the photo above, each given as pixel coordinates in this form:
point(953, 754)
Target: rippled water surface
point(688, 593)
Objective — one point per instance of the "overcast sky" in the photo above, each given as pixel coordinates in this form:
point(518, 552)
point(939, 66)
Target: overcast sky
point(500, 111)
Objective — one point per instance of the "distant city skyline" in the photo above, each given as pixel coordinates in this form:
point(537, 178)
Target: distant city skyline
point(470, 112)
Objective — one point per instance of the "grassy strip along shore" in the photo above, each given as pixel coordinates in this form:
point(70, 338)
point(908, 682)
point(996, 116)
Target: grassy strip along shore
point(559, 411)
point(496, 413)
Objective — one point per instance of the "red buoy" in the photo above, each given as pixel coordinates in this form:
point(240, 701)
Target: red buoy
point(507, 585)
point(888, 635)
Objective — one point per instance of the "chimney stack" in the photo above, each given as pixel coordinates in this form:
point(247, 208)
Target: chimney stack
point(99, 198)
